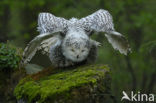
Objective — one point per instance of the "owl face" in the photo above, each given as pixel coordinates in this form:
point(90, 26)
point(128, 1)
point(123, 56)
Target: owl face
point(76, 50)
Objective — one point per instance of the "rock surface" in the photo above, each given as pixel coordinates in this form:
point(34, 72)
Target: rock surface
point(84, 84)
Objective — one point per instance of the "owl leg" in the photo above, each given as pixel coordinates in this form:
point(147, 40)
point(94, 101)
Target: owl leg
point(93, 51)
point(57, 58)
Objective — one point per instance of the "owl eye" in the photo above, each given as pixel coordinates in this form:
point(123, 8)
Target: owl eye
point(82, 50)
point(87, 31)
point(72, 50)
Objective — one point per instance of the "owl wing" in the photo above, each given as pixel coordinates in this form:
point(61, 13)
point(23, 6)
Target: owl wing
point(41, 42)
point(48, 43)
point(48, 25)
point(101, 21)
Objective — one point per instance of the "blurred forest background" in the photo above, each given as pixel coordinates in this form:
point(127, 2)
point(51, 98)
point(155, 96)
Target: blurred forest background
point(136, 19)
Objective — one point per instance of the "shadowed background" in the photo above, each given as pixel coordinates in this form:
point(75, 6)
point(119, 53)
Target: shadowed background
point(133, 18)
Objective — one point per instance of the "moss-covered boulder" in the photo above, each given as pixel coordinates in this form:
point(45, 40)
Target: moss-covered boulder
point(84, 84)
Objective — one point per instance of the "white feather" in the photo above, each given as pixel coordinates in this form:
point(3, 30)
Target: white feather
point(118, 42)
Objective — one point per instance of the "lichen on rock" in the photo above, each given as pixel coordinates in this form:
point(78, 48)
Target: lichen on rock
point(84, 84)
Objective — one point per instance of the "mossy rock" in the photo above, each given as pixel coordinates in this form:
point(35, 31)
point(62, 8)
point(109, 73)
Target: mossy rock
point(84, 84)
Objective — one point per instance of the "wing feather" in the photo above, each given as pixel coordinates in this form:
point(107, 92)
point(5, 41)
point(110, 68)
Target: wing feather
point(101, 21)
point(48, 43)
point(48, 25)
point(32, 47)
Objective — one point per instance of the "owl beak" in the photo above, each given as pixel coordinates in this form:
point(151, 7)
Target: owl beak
point(77, 56)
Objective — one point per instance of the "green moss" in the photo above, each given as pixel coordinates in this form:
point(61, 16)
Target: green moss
point(59, 84)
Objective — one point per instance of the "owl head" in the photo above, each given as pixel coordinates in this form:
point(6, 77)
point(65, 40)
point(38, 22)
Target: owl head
point(76, 48)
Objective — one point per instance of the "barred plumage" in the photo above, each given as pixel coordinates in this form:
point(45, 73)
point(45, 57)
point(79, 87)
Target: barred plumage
point(68, 42)
point(48, 23)
point(100, 21)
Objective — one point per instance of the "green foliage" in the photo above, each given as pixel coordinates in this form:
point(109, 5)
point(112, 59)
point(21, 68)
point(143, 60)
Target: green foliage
point(149, 49)
point(9, 59)
point(59, 84)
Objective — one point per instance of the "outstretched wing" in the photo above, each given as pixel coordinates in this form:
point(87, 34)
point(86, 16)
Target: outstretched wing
point(48, 25)
point(33, 46)
point(48, 43)
point(101, 21)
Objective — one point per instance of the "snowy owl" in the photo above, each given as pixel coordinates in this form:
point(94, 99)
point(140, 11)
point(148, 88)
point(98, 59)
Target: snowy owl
point(68, 42)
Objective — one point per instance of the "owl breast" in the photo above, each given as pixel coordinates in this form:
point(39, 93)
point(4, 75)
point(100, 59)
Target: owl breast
point(76, 45)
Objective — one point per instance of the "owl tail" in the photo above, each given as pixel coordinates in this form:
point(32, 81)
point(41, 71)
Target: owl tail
point(119, 42)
